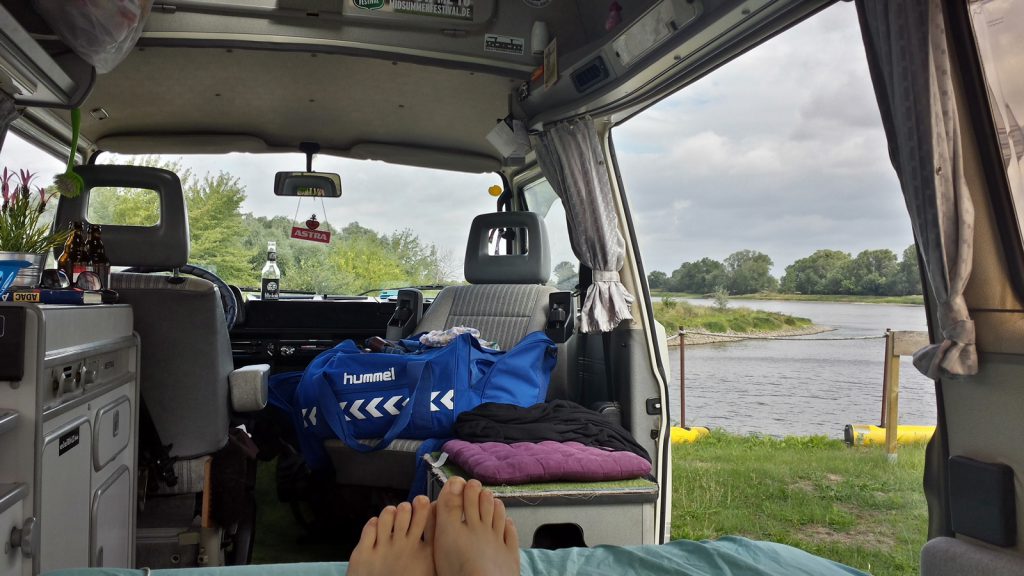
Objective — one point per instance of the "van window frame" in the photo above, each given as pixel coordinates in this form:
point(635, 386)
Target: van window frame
point(980, 117)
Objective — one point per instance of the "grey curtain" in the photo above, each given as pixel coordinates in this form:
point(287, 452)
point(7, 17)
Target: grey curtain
point(570, 156)
point(8, 113)
point(905, 42)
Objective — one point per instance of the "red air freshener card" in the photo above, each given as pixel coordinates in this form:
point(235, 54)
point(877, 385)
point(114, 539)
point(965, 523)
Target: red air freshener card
point(311, 235)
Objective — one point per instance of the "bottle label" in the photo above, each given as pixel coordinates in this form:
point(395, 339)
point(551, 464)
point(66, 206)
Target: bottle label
point(271, 289)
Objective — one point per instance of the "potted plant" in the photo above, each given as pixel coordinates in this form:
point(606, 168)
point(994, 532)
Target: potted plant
point(24, 226)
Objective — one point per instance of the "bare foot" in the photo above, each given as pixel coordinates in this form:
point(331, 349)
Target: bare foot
point(399, 541)
point(474, 536)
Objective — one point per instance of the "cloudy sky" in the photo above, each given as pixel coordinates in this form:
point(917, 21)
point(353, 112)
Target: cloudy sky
point(780, 151)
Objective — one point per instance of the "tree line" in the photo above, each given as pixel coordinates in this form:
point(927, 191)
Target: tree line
point(233, 244)
point(869, 273)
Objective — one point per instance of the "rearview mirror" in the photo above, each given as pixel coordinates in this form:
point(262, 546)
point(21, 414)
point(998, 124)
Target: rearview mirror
point(314, 184)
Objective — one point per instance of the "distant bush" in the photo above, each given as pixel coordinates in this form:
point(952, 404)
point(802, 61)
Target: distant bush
point(678, 314)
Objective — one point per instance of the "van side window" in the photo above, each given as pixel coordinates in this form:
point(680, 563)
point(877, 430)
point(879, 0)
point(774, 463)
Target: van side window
point(541, 198)
point(998, 25)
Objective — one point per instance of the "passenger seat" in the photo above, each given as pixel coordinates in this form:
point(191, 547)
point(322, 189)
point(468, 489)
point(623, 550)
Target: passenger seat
point(506, 299)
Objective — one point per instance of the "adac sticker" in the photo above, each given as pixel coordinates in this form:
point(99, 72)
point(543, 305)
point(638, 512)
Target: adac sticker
point(368, 4)
point(504, 44)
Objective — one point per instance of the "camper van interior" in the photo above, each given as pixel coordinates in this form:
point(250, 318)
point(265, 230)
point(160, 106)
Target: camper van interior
point(134, 426)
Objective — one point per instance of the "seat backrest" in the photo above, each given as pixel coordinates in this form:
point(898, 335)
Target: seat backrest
point(506, 298)
point(186, 350)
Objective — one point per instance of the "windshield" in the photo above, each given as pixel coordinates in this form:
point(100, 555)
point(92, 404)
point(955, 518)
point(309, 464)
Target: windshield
point(394, 226)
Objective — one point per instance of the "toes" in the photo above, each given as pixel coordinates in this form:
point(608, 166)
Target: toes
point(471, 502)
point(449, 501)
point(431, 527)
point(386, 523)
point(403, 517)
point(486, 507)
point(498, 523)
point(511, 535)
point(420, 513)
point(368, 538)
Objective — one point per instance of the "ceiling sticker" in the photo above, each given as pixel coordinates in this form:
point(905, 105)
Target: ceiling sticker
point(368, 4)
point(504, 44)
point(451, 9)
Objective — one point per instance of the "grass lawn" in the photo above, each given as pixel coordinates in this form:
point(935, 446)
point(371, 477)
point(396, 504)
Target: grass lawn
point(847, 504)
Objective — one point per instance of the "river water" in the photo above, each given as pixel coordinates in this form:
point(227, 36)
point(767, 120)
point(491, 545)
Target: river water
point(804, 387)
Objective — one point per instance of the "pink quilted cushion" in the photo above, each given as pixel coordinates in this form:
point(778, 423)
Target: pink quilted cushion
point(528, 462)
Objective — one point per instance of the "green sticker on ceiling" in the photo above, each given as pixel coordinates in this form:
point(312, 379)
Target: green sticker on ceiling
point(368, 4)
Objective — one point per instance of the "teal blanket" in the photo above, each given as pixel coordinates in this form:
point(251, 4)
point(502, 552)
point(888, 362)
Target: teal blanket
point(728, 556)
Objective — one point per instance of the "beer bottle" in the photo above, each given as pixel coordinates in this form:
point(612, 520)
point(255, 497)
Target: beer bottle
point(271, 275)
point(97, 254)
point(72, 259)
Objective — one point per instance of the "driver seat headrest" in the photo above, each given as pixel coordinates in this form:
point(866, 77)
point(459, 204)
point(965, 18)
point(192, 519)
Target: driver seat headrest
point(164, 245)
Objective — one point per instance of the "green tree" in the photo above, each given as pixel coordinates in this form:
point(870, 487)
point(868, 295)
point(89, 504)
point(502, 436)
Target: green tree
point(749, 272)
point(657, 280)
point(907, 279)
point(818, 273)
point(870, 272)
point(566, 276)
point(701, 277)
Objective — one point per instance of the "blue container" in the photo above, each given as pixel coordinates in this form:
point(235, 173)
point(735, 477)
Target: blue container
point(9, 271)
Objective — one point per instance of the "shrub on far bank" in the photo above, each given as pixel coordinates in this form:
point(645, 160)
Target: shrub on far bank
point(674, 315)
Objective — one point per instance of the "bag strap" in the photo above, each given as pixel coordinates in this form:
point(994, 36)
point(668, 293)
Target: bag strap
point(342, 429)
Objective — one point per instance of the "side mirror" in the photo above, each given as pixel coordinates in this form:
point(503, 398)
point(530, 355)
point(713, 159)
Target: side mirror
point(313, 184)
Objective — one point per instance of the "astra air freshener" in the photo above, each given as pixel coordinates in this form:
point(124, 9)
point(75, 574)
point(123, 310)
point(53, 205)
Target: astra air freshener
point(311, 232)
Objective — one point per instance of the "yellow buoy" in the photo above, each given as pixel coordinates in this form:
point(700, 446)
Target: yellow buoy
point(868, 435)
point(688, 435)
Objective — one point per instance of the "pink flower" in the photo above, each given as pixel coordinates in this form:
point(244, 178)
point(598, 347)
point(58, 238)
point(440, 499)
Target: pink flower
point(26, 178)
point(5, 184)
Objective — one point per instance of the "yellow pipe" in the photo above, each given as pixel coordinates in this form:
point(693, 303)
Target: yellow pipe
point(868, 435)
point(688, 435)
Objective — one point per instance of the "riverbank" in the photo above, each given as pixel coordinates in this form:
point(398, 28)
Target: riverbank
point(917, 299)
point(698, 338)
point(846, 298)
point(850, 505)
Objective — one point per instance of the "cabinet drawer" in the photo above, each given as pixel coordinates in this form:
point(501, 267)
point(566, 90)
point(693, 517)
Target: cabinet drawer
point(113, 431)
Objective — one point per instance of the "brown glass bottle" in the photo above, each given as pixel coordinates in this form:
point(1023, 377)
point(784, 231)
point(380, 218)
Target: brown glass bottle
point(97, 255)
point(72, 259)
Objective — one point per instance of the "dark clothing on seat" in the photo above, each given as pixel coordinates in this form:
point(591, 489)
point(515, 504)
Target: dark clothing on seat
point(558, 420)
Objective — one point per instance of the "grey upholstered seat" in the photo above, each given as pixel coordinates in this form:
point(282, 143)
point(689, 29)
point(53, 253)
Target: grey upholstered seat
point(186, 350)
point(506, 299)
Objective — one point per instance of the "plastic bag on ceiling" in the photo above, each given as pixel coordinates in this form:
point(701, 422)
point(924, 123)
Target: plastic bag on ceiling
point(102, 32)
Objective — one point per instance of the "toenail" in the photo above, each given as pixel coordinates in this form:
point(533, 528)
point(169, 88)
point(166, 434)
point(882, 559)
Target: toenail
point(457, 488)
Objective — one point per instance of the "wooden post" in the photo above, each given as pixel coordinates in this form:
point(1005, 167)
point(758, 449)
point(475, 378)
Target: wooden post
point(682, 378)
point(892, 403)
point(885, 376)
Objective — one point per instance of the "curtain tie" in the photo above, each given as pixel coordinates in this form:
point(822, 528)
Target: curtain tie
point(606, 276)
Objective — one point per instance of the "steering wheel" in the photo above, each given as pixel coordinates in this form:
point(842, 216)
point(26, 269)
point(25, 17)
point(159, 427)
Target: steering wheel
point(227, 296)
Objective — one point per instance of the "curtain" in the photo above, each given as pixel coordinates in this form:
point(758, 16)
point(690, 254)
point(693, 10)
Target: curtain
point(8, 113)
point(910, 67)
point(571, 158)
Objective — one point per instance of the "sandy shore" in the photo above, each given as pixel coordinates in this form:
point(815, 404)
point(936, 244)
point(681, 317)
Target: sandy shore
point(673, 340)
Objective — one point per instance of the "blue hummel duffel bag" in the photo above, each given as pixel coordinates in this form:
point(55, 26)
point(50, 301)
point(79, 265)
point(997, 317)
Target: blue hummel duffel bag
point(350, 394)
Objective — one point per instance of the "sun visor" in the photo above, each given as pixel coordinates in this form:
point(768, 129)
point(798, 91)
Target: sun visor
point(425, 158)
point(182, 144)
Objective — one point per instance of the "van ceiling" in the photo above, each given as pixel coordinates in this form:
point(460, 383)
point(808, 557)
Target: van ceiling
point(213, 76)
